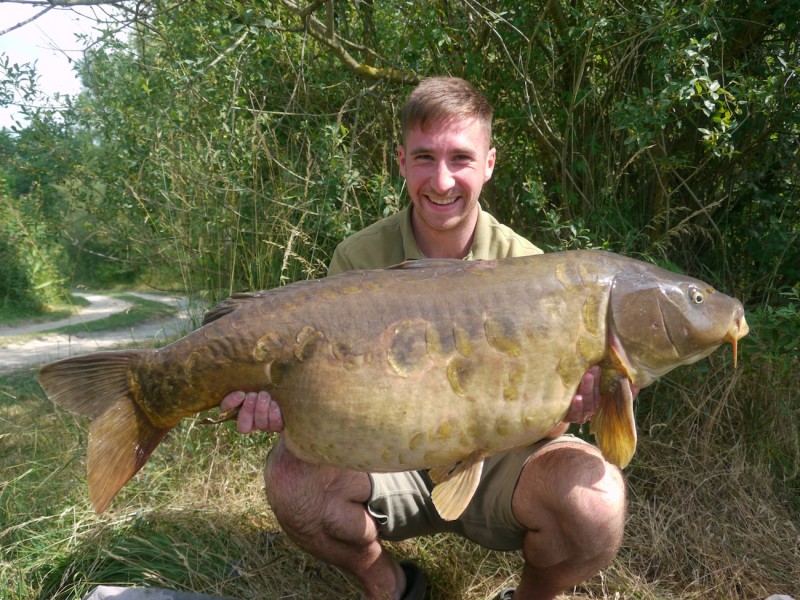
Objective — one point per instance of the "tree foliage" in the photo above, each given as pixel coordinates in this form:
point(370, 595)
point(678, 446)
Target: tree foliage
point(667, 130)
point(29, 259)
point(233, 144)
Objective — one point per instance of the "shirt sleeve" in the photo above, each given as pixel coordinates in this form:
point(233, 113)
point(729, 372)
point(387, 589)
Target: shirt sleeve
point(340, 263)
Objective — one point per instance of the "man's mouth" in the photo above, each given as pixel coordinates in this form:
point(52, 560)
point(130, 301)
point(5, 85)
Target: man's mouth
point(443, 201)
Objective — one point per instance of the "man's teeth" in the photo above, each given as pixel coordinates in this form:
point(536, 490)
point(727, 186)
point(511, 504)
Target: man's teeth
point(442, 201)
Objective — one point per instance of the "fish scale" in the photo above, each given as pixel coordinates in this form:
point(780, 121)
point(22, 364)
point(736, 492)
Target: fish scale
point(431, 364)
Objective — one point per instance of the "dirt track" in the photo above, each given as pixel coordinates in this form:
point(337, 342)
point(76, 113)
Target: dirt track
point(48, 347)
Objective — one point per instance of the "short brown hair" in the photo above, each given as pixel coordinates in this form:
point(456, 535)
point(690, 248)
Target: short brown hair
point(443, 98)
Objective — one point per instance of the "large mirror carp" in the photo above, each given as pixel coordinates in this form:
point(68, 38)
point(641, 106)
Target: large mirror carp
point(430, 364)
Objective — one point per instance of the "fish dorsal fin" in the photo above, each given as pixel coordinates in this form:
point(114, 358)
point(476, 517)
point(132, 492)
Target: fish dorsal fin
point(453, 494)
point(613, 424)
point(229, 305)
point(428, 263)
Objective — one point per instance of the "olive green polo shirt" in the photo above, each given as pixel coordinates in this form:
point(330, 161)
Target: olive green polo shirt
point(391, 241)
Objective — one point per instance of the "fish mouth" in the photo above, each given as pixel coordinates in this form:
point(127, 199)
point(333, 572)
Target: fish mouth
point(739, 328)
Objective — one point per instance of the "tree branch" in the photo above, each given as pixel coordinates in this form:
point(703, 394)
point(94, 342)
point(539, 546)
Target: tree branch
point(48, 5)
point(26, 21)
point(325, 34)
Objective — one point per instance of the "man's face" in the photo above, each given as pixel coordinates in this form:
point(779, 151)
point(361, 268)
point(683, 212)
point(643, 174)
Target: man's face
point(445, 168)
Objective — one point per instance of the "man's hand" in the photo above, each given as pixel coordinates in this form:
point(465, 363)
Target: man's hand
point(257, 411)
point(584, 403)
point(587, 399)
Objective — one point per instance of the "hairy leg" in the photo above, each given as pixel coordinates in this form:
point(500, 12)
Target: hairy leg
point(572, 502)
point(322, 510)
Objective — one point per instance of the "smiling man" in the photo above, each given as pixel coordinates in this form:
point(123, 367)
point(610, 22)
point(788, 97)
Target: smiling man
point(445, 168)
point(558, 501)
point(446, 158)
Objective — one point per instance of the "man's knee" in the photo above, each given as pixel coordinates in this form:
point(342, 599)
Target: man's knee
point(600, 508)
point(281, 468)
point(291, 492)
point(568, 490)
point(309, 500)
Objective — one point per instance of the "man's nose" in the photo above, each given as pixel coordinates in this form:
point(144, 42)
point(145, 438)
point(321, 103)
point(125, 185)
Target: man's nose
point(442, 180)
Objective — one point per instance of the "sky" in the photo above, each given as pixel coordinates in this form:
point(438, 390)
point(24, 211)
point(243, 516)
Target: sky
point(50, 40)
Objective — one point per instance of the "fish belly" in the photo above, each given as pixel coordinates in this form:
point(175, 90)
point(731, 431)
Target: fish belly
point(414, 400)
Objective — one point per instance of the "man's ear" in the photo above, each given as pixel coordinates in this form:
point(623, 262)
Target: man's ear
point(401, 159)
point(490, 158)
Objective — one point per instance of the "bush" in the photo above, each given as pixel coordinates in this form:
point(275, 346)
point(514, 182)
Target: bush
point(29, 261)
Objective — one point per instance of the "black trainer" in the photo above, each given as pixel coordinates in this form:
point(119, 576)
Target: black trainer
point(416, 583)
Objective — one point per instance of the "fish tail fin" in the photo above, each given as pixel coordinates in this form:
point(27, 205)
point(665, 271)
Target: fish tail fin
point(121, 437)
point(613, 425)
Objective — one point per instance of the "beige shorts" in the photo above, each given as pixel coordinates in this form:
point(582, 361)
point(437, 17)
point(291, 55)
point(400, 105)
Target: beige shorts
point(402, 507)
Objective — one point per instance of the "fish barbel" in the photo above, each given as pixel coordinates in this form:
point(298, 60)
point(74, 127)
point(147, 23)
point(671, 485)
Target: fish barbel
point(430, 364)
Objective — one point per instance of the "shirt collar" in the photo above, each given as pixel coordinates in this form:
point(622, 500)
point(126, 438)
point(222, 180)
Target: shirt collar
point(481, 240)
point(410, 247)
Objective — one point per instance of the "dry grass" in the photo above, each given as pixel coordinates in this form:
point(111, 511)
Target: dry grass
point(709, 526)
point(707, 518)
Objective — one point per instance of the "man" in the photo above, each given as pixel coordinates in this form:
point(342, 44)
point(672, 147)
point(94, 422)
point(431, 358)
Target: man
point(558, 501)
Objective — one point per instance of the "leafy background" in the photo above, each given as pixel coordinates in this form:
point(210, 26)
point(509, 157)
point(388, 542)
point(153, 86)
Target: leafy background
point(223, 146)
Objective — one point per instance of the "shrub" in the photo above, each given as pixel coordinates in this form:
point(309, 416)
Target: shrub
point(29, 260)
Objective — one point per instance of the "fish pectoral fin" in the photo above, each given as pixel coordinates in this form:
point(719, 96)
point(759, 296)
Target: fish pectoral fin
point(121, 440)
point(613, 424)
point(453, 494)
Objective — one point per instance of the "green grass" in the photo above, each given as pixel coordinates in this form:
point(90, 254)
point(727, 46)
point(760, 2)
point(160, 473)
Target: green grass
point(707, 519)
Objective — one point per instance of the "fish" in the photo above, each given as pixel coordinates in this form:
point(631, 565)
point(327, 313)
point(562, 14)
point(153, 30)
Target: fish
point(431, 364)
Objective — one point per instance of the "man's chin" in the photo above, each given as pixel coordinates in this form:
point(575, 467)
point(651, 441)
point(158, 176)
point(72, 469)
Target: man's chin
point(443, 217)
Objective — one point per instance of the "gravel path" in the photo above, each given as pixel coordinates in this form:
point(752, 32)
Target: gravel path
point(47, 347)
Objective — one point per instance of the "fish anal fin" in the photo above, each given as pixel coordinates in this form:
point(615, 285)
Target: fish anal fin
point(613, 424)
point(121, 440)
point(439, 474)
point(453, 494)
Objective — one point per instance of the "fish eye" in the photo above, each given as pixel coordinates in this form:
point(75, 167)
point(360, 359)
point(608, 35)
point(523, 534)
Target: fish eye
point(696, 295)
